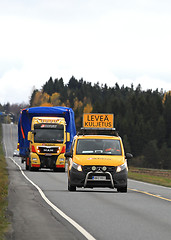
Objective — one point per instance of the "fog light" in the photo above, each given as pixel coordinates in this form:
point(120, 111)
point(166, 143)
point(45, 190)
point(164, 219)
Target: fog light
point(104, 168)
point(93, 168)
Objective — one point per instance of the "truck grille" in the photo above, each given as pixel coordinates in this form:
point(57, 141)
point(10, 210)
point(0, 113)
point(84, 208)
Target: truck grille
point(48, 162)
point(48, 149)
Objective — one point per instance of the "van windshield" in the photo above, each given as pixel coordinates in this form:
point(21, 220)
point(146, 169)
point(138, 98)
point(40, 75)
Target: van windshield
point(52, 133)
point(98, 147)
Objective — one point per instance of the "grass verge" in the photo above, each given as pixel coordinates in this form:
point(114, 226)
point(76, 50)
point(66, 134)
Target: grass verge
point(3, 190)
point(155, 176)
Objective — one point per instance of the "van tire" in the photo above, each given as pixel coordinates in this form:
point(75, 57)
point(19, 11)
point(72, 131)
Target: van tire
point(71, 188)
point(122, 189)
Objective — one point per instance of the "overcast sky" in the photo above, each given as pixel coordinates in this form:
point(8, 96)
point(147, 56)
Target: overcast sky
point(105, 41)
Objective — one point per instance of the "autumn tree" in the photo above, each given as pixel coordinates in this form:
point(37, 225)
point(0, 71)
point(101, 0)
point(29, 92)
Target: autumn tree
point(55, 99)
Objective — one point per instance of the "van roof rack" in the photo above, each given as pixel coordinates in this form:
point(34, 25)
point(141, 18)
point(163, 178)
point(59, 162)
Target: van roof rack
point(98, 131)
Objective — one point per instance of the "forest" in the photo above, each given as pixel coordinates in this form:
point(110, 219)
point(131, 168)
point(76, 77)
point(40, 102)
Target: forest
point(142, 118)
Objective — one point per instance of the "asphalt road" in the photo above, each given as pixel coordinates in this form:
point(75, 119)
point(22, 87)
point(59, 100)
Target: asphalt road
point(46, 210)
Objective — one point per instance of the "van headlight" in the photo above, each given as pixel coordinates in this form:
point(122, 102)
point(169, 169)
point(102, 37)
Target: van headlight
point(77, 166)
point(121, 167)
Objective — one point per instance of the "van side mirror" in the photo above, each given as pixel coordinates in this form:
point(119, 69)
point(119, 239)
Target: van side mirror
point(128, 155)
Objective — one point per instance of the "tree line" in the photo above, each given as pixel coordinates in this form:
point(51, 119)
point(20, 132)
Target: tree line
point(142, 118)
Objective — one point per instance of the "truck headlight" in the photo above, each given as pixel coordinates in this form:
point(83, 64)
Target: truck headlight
point(77, 166)
point(121, 167)
point(61, 159)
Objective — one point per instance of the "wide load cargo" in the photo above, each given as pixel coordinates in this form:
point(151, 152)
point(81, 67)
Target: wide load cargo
point(44, 135)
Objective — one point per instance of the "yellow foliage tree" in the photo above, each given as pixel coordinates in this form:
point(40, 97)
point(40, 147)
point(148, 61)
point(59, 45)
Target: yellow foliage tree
point(165, 96)
point(46, 105)
point(55, 99)
point(77, 104)
point(45, 98)
point(78, 110)
point(40, 99)
point(88, 108)
point(36, 100)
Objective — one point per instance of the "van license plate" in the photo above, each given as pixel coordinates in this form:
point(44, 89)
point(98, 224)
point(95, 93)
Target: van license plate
point(99, 177)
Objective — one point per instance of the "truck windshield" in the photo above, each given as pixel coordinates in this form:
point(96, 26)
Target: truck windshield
point(48, 133)
point(98, 147)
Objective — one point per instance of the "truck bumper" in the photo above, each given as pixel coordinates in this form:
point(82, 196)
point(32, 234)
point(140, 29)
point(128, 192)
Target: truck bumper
point(52, 162)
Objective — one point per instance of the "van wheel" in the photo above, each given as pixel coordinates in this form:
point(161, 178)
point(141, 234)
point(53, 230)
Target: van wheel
point(123, 189)
point(71, 188)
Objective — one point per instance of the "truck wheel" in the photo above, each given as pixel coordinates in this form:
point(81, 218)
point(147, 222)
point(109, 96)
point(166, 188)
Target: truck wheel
point(55, 169)
point(30, 168)
point(58, 169)
point(122, 189)
point(71, 188)
point(27, 167)
point(36, 169)
point(27, 164)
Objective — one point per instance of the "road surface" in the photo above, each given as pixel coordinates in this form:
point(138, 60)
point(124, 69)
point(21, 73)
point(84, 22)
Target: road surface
point(41, 207)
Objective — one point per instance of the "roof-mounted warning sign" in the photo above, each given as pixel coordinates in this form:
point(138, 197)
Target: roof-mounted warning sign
point(98, 120)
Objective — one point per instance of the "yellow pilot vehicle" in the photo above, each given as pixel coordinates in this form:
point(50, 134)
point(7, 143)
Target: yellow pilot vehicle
point(97, 157)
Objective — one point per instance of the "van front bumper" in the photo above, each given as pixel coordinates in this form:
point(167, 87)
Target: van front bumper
point(89, 179)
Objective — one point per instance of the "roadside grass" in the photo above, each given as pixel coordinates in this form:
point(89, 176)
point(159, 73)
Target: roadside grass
point(155, 176)
point(3, 190)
